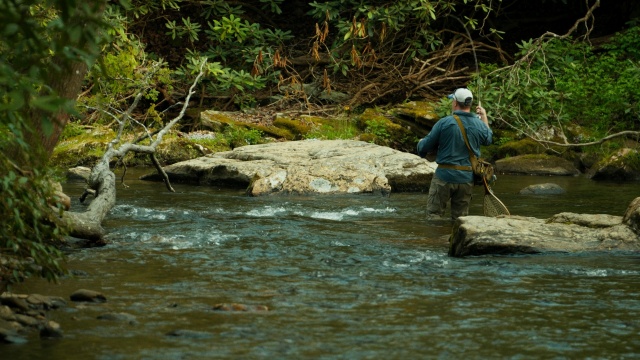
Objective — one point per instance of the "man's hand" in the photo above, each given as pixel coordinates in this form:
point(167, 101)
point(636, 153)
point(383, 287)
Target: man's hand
point(482, 113)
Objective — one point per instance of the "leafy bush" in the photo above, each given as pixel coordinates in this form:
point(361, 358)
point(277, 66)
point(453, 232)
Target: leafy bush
point(28, 231)
point(39, 41)
point(378, 128)
point(237, 136)
point(559, 82)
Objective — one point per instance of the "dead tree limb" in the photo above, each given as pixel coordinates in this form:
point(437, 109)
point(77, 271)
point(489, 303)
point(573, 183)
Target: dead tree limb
point(393, 78)
point(162, 173)
point(628, 133)
point(88, 224)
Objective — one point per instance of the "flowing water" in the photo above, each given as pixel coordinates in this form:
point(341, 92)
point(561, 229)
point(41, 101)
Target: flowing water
point(344, 277)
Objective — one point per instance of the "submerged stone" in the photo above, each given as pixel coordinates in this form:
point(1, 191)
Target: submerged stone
point(543, 189)
point(84, 295)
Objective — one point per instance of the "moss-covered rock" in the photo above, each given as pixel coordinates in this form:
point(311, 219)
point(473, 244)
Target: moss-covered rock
point(422, 111)
point(536, 164)
point(82, 148)
point(624, 165)
point(519, 147)
point(86, 148)
point(218, 121)
point(174, 149)
point(296, 129)
point(418, 116)
point(386, 132)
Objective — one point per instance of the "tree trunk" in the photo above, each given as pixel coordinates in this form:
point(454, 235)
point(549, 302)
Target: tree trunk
point(64, 79)
point(67, 85)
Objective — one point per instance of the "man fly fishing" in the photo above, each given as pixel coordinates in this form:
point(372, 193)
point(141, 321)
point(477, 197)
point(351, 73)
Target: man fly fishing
point(453, 179)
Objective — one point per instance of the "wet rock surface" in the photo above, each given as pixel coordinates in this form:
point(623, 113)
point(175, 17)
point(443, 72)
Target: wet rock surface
point(308, 167)
point(22, 314)
point(564, 232)
point(543, 189)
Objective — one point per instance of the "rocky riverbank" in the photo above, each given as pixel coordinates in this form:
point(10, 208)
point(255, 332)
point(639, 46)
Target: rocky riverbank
point(23, 315)
point(397, 127)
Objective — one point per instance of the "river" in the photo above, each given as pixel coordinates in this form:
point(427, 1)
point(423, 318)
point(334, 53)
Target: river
point(343, 277)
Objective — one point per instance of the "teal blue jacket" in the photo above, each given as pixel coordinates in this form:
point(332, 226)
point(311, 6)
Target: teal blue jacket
point(446, 138)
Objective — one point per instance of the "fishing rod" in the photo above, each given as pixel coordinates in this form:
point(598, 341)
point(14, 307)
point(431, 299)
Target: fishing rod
point(492, 206)
point(473, 50)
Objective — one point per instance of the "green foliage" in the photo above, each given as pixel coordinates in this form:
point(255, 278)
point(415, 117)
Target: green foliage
point(407, 26)
point(252, 56)
point(625, 45)
point(38, 43)
point(144, 7)
point(72, 129)
point(378, 128)
point(231, 29)
point(237, 136)
point(503, 140)
point(558, 82)
point(443, 107)
point(28, 231)
point(341, 128)
point(241, 52)
point(187, 28)
point(123, 70)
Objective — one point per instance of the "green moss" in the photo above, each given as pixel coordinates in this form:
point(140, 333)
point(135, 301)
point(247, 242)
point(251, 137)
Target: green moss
point(384, 131)
point(368, 137)
point(72, 129)
point(417, 110)
point(632, 159)
point(174, 149)
point(625, 158)
point(536, 156)
point(217, 144)
point(331, 128)
point(272, 131)
point(519, 147)
point(84, 149)
point(296, 128)
point(216, 116)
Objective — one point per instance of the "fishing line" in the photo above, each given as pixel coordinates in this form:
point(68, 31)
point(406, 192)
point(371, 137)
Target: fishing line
point(473, 50)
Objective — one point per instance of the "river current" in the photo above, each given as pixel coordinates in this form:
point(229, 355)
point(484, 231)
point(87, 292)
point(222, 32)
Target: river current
point(343, 277)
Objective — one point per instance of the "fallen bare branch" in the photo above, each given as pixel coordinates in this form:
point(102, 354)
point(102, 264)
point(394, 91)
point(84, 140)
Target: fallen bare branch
point(635, 134)
point(88, 224)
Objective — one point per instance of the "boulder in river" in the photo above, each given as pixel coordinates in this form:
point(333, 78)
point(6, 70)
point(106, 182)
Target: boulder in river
point(543, 189)
point(622, 166)
point(564, 232)
point(536, 164)
point(84, 295)
point(307, 167)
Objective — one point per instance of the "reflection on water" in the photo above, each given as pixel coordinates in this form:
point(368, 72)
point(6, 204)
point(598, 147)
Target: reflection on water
point(348, 277)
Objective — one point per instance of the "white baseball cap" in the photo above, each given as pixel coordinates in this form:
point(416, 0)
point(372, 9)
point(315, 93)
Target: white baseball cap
point(462, 96)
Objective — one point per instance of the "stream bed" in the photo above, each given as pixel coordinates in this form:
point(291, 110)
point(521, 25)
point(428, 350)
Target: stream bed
point(343, 277)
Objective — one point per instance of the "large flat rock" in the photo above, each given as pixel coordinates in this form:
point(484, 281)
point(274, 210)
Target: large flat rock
point(307, 167)
point(564, 232)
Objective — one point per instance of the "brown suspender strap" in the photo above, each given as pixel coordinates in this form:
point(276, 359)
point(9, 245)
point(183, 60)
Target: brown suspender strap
point(472, 156)
point(455, 167)
point(464, 134)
